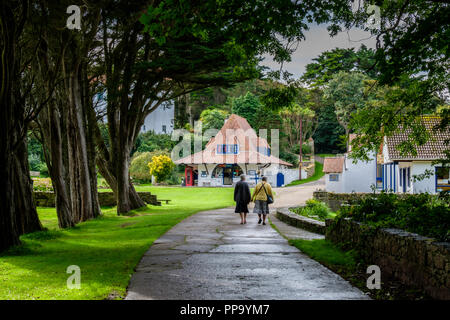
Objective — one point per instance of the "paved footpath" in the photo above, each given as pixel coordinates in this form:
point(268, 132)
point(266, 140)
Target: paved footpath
point(211, 256)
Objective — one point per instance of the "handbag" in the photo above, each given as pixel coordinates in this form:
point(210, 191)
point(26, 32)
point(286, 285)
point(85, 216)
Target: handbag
point(269, 198)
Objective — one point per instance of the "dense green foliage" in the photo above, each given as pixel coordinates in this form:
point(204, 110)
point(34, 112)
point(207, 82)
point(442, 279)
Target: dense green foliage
point(150, 142)
point(412, 58)
point(212, 118)
point(315, 209)
point(345, 91)
point(425, 214)
point(36, 158)
point(328, 132)
point(139, 166)
point(247, 106)
point(328, 63)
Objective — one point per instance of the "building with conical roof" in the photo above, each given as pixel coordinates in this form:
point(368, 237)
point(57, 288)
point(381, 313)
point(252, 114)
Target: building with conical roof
point(236, 149)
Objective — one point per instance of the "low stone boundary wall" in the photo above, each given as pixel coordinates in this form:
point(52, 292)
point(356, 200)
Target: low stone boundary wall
point(413, 259)
point(47, 199)
point(335, 200)
point(295, 220)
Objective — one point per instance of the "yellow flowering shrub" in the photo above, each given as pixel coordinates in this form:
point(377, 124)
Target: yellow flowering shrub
point(161, 167)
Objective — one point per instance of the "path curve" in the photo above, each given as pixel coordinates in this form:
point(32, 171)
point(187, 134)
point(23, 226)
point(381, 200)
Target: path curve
point(211, 256)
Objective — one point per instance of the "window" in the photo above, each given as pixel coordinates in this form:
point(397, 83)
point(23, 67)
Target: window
point(334, 177)
point(264, 150)
point(164, 129)
point(442, 177)
point(227, 149)
point(204, 174)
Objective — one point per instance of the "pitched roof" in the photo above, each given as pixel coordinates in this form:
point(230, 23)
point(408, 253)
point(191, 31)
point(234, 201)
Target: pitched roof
point(236, 130)
point(433, 149)
point(333, 165)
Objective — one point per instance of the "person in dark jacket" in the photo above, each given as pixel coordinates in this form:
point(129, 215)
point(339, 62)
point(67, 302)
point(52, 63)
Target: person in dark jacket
point(242, 197)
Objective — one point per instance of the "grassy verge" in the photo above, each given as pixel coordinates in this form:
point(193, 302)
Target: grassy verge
point(327, 254)
point(318, 173)
point(106, 249)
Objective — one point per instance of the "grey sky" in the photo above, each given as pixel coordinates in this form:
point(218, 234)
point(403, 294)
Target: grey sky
point(318, 40)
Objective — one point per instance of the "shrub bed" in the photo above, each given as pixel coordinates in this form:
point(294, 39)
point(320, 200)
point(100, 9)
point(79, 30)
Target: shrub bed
point(315, 210)
point(424, 214)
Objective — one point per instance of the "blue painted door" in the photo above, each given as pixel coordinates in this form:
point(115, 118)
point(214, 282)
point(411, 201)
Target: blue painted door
point(280, 179)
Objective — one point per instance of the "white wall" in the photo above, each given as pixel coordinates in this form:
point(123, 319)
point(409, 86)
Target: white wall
point(290, 174)
point(360, 176)
point(271, 173)
point(334, 186)
point(425, 185)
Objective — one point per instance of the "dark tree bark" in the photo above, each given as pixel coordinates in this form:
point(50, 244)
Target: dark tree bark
point(51, 133)
point(17, 210)
point(9, 236)
point(26, 216)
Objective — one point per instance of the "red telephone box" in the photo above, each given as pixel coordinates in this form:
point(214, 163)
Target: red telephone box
point(189, 176)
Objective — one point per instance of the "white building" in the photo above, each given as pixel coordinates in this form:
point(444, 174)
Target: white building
point(392, 171)
point(160, 121)
point(236, 149)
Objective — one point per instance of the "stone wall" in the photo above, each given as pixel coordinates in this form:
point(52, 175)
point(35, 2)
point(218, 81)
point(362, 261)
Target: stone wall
point(295, 220)
point(335, 200)
point(106, 199)
point(413, 259)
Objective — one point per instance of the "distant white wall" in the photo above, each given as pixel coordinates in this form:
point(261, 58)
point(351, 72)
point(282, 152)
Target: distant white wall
point(161, 120)
point(359, 176)
point(425, 185)
point(334, 186)
point(290, 174)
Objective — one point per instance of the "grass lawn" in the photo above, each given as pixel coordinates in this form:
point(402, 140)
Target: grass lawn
point(326, 253)
point(318, 173)
point(106, 249)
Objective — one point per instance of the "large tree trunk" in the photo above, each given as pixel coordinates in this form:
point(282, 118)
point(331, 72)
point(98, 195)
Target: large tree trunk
point(81, 191)
point(127, 197)
point(17, 211)
point(26, 216)
point(53, 141)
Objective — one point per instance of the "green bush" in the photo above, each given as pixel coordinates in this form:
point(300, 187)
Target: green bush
point(425, 214)
point(152, 142)
point(139, 167)
point(34, 162)
point(43, 169)
point(314, 209)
